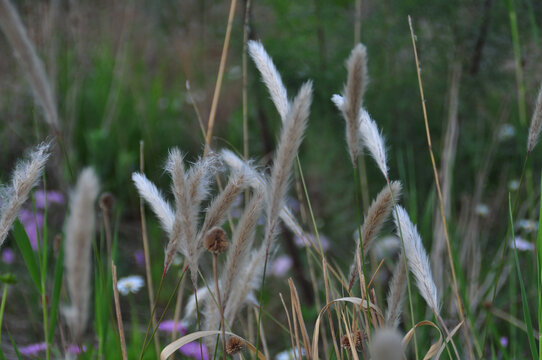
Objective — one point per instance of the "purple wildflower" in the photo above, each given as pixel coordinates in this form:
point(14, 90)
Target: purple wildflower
point(33, 223)
point(8, 256)
point(281, 265)
point(76, 349)
point(33, 349)
point(504, 341)
point(139, 257)
point(195, 350)
point(169, 325)
point(52, 197)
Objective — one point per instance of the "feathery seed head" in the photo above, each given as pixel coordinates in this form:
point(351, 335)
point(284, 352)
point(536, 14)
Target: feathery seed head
point(24, 178)
point(373, 140)
point(216, 241)
point(417, 258)
point(271, 77)
point(234, 345)
point(386, 344)
point(536, 123)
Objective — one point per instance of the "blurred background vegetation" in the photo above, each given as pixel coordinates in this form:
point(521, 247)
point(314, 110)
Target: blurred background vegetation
point(120, 71)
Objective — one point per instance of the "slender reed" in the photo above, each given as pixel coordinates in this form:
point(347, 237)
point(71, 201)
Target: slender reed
point(536, 123)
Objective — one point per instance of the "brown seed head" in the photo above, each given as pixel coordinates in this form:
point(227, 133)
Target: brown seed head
point(216, 240)
point(234, 345)
point(357, 339)
point(107, 201)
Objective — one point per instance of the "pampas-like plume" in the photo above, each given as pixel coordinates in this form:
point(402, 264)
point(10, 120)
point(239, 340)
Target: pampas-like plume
point(536, 123)
point(378, 213)
point(18, 38)
point(417, 258)
point(386, 344)
point(271, 77)
point(199, 178)
point(242, 240)
point(80, 229)
point(154, 197)
point(25, 176)
point(218, 209)
point(396, 294)
point(257, 181)
point(290, 140)
point(373, 140)
point(352, 99)
point(184, 229)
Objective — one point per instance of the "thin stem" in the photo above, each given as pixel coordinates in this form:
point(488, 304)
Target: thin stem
point(146, 251)
point(220, 307)
point(220, 76)
point(439, 192)
point(119, 314)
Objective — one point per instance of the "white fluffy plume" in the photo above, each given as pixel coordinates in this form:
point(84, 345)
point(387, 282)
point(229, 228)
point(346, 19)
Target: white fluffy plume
point(417, 258)
point(373, 140)
point(153, 196)
point(80, 229)
point(24, 178)
point(271, 77)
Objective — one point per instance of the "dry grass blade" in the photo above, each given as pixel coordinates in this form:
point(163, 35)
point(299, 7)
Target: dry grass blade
point(296, 313)
point(177, 344)
point(364, 304)
point(20, 42)
point(24, 178)
point(119, 314)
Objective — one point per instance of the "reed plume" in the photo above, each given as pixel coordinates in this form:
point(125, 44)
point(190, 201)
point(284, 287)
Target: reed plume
point(257, 181)
point(396, 294)
point(24, 178)
point(417, 258)
point(148, 191)
point(376, 216)
point(22, 45)
point(386, 344)
point(271, 77)
point(536, 123)
point(290, 140)
point(80, 227)
point(351, 102)
point(373, 140)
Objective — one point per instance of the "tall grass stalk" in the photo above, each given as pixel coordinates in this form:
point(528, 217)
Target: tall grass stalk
point(524, 300)
point(439, 193)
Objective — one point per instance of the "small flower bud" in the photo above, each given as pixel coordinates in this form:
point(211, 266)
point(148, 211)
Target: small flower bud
point(216, 240)
point(234, 345)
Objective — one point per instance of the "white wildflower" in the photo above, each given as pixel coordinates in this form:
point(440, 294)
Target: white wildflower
point(130, 284)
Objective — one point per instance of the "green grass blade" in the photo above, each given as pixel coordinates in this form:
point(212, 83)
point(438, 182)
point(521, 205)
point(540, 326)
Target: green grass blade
point(15, 347)
point(21, 238)
point(57, 286)
point(539, 272)
point(525, 303)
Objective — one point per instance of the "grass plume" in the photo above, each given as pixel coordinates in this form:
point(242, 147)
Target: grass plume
point(24, 178)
